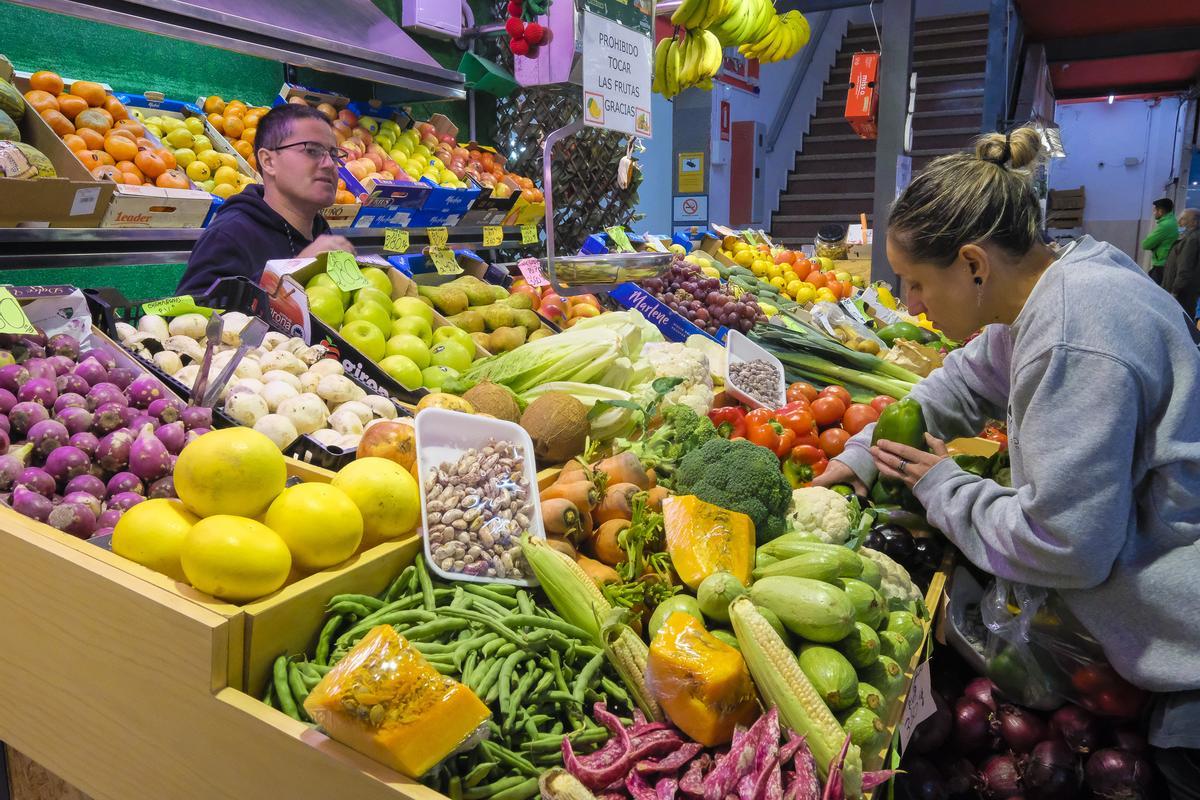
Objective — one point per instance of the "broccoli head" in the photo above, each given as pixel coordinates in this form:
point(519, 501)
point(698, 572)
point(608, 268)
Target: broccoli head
point(682, 431)
point(740, 476)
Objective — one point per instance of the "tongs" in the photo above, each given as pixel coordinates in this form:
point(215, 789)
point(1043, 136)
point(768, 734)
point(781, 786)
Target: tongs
point(251, 336)
point(212, 337)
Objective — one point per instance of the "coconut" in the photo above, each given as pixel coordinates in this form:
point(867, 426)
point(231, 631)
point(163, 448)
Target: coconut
point(491, 398)
point(558, 425)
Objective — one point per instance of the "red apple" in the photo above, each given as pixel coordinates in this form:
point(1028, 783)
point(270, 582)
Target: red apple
point(348, 118)
point(583, 310)
point(391, 440)
point(462, 152)
point(425, 129)
point(375, 159)
point(364, 134)
point(585, 299)
point(429, 140)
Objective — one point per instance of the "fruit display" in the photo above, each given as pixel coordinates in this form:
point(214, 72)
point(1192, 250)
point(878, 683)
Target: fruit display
point(283, 389)
point(484, 167)
point(237, 122)
point(702, 300)
point(211, 170)
point(789, 272)
point(562, 311)
point(497, 320)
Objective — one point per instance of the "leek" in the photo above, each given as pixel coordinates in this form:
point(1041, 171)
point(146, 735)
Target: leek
point(811, 342)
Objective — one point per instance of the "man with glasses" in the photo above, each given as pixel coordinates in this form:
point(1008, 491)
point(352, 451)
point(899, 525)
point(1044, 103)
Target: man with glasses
point(298, 158)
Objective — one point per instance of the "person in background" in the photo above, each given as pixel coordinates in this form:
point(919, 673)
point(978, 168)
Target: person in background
point(1098, 376)
point(297, 156)
point(1160, 239)
point(1181, 275)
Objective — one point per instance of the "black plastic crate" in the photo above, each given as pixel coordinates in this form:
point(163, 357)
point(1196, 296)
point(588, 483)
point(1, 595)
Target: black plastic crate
point(108, 307)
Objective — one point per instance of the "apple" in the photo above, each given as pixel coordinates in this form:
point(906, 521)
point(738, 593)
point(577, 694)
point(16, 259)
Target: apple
point(417, 326)
point(370, 124)
point(452, 354)
point(323, 279)
point(375, 159)
point(553, 307)
point(589, 299)
point(435, 377)
point(411, 347)
point(429, 141)
point(449, 139)
point(412, 307)
point(372, 313)
point(348, 117)
point(366, 338)
point(529, 292)
point(326, 305)
point(403, 370)
point(390, 440)
point(379, 279)
point(583, 310)
point(372, 295)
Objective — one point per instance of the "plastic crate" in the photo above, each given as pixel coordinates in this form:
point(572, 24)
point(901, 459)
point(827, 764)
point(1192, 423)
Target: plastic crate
point(109, 307)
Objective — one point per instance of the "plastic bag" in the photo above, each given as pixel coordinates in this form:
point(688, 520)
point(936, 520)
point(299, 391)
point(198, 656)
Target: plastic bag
point(1041, 655)
point(387, 702)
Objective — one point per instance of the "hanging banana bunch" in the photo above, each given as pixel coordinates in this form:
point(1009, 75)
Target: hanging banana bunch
point(680, 65)
point(785, 34)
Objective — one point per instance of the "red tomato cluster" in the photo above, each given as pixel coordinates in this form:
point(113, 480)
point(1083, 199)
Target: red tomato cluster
point(835, 416)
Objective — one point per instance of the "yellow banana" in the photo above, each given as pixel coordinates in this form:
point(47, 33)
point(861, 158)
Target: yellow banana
point(686, 9)
point(712, 64)
point(660, 65)
point(716, 10)
point(671, 73)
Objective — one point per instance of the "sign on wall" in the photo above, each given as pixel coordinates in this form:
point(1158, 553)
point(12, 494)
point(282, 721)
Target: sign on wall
point(617, 51)
point(691, 209)
point(691, 173)
point(739, 72)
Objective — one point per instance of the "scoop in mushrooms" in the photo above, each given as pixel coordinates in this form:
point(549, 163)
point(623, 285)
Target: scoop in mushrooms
point(231, 328)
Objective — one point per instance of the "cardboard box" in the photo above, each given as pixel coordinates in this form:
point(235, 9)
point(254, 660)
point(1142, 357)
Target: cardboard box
point(74, 199)
point(341, 215)
point(313, 97)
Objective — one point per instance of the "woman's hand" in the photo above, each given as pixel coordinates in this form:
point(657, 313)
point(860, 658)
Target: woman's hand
point(907, 464)
point(836, 473)
point(325, 243)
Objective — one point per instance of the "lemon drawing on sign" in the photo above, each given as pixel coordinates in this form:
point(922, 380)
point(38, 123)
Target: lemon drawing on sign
point(593, 107)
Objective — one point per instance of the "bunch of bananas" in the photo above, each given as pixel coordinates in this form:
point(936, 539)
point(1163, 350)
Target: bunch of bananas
point(746, 21)
point(692, 62)
point(701, 13)
point(784, 37)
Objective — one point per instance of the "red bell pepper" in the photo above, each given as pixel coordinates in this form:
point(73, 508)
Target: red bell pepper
point(803, 464)
point(797, 417)
point(763, 429)
point(996, 434)
point(730, 421)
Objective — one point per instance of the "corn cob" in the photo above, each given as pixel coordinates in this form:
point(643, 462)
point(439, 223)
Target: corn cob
point(784, 686)
point(579, 601)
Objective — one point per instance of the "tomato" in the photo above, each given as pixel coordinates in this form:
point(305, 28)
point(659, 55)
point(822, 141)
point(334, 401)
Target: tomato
point(881, 402)
point(801, 391)
point(839, 392)
point(807, 454)
point(833, 441)
point(828, 410)
point(796, 417)
point(859, 416)
point(809, 439)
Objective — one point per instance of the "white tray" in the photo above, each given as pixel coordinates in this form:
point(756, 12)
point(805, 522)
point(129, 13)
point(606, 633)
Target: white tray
point(739, 349)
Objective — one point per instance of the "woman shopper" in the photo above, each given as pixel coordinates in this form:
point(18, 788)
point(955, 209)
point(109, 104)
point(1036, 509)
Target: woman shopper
point(1097, 372)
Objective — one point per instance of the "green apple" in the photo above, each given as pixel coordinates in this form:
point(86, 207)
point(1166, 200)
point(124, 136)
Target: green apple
point(323, 279)
point(379, 279)
point(449, 333)
point(410, 346)
point(402, 368)
point(372, 295)
point(326, 305)
point(364, 336)
point(412, 307)
point(435, 377)
point(451, 354)
point(371, 312)
point(417, 326)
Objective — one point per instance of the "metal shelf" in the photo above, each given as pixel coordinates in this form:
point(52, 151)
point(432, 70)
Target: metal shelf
point(26, 248)
point(350, 37)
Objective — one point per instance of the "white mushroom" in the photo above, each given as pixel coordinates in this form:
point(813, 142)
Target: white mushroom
point(168, 361)
point(189, 325)
point(250, 385)
point(276, 392)
point(232, 325)
point(309, 381)
point(345, 422)
point(154, 325)
point(184, 345)
point(349, 441)
point(125, 331)
point(248, 368)
point(358, 408)
point(280, 359)
point(271, 376)
point(306, 412)
point(294, 345)
point(245, 408)
point(326, 437)
point(272, 340)
point(327, 366)
point(380, 406)
point(278, 428)
point(336, 389)
point(188, 375)
point(313, 354)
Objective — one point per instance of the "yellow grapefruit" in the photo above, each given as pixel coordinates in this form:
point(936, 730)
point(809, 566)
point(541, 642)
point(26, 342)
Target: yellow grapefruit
point(385, 494)
point(152, 534)
point(319, 523)
point(232, 471)
point(234, 558)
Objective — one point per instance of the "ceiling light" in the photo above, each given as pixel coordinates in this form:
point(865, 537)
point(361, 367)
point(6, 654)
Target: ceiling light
point(1111, 98)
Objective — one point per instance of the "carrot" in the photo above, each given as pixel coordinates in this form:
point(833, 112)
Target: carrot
point(579, 492)
point(560, 517)
point(617, 503)
point(624, 468)
point(655, 498)
point(562, 545)
point(600, 573)
point(651, 479)
point(572, 470)
point(587, 528)
point(605, 546)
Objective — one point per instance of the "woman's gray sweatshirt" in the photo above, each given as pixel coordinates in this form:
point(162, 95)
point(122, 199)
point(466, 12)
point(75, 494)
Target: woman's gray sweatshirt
point(1099, 380)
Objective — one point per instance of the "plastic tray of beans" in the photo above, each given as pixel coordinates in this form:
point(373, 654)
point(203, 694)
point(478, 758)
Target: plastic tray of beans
point(752, 374)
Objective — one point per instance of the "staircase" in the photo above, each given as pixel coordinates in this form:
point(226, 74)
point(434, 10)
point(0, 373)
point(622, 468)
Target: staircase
point(833, 179)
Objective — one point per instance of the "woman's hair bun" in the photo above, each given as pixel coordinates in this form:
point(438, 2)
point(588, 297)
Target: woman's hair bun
point(1020, 149)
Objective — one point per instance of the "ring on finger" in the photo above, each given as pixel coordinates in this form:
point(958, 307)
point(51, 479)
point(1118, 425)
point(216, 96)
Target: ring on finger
point(903, 465)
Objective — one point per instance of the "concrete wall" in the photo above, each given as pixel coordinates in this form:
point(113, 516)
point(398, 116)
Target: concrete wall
point(654, 195)
point(1099, 138)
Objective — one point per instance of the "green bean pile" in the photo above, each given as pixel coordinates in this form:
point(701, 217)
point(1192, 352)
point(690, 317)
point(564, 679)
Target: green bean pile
point(532, 668)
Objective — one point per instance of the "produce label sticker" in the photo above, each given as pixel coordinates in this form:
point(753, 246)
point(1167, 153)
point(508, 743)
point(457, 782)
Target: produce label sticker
point(12, 316)
point(175, 306)
point(395, 240)
point(529, 233)
point(531, 268)
point(919, 706)
point(616, 73)
point(344, 272)
point(444, 261)
point(493, 235)
point(620, 238)
point(438, 236)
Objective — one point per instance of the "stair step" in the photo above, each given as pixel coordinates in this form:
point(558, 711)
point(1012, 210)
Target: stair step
point(922, 120)
point(800, 184)
point(927, 69)
point(950, 36)
point(819, 218)
point(851, 203)
point(926, 53)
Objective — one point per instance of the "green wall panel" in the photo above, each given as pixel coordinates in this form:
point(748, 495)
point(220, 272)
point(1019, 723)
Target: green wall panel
point(144, 282)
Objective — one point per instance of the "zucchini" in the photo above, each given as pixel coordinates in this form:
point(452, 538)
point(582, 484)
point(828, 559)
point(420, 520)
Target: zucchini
point(796, 544)
point(727, 638)
point(870, 698)
point(870, 574)
point(905, 624)
point(865, 729)
point(886, 676)
point(816, 565)
point(716, 592)
point(862, 646)
point(831, 675)
point(868, 603)
point(895, 647)
point(816, 611)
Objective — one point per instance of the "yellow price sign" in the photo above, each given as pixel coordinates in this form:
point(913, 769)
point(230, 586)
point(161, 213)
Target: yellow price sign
point(444, 261)
point(344, 272)
point(493, 235)
point(529, 233)
point(12, 316)
point(620, 238)
point(438, 236)
point(395, 240)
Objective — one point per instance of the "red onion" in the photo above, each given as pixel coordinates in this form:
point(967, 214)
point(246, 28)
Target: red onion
point(1076, 727)
point(1000, 778)
point(1020, 728)
point(1118, 775)
point(931, 734)
point(1051, 772)
point(1122, 700)
point(960, 776)
point(982, 690)
point(1129, 739)
point(972, 725)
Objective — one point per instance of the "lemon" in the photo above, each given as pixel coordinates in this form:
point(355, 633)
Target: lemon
point(778, 282)
point(744, 257)
point(231, 471)
point(793, 288)
point(385, 494)
point(152, 534)
point(318, 523)
point(759, 268)
point(805, 294)
point(234, 558)
point(774, 271)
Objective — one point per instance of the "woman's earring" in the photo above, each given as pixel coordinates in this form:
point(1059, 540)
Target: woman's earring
point(978, 292)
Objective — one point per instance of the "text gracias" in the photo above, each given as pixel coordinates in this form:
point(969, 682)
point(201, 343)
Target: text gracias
point(618, 64)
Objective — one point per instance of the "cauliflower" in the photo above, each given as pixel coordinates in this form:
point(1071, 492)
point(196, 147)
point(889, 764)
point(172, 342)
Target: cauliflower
point(823, 513)
point(896, 583)
point(675, 360)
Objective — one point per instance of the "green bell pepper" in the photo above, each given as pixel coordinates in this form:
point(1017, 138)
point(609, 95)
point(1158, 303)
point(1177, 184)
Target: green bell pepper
point(902, 422)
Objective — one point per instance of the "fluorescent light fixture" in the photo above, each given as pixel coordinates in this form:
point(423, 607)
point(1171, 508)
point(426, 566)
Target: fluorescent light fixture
point(1111, 98)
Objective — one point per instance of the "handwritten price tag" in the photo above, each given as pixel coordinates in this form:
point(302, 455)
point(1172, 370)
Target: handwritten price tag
point(175, 306)
point(493, 235)
point(395, 240)
point(529, 233)
point(12, 316)
point(620, 238)
point(531, 268)
point(919, 706)
point(344, 271)
point(444, 261)
point(437, 236)
point(750, 237)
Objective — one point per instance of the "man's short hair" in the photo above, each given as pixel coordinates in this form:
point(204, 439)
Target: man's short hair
point(276, 124)
point(1164, 204)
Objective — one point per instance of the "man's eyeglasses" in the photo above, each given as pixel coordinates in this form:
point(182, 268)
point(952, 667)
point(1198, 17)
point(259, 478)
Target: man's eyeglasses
point(315, 150)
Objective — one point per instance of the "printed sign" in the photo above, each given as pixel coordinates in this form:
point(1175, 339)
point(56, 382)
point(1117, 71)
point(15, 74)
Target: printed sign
point(691, 209)
point(616, 76)
point(691, 173)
